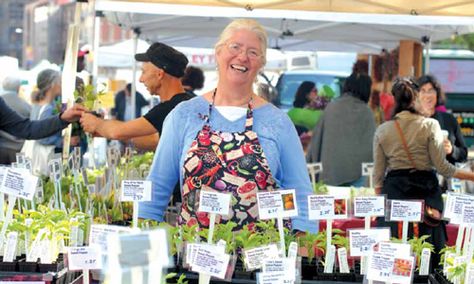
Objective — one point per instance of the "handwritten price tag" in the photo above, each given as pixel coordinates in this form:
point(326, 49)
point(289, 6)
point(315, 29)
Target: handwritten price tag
point(136, 190)
point(20, 183)
point(214, 202)
point(367, 206)
point(320, 207)
point(81, 258)
point(401, 210)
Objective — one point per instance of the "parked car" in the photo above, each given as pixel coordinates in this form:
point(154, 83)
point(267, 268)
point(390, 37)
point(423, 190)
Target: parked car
point(289, 82)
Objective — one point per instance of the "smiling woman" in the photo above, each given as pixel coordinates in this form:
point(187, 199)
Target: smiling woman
point(230, 140)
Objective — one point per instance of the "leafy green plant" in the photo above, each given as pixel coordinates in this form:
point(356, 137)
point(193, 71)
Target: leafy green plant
point(417, 246)
point(248, 239)
point(226, 232)
point(88, 96)
point(180, 280)
point(308, 241)
point(270, 232)
point(457, 272)
point(320, 188)
point(444, 251)
point(338, 239)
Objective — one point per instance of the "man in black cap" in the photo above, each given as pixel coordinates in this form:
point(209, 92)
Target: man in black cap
point(162, 68)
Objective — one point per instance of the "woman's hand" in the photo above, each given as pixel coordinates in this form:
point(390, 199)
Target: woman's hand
point(448, 147)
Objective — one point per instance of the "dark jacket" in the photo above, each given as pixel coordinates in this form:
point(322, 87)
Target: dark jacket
point(11, 122)
point(120, 101)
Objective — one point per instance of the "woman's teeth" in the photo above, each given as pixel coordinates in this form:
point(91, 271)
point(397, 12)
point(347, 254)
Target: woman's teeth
point(240, 68)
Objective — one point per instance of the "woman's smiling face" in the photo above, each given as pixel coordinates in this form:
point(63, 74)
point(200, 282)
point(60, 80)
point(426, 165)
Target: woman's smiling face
point(240, 58)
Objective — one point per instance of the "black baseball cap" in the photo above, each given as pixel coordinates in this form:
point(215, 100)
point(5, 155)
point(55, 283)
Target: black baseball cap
point(165, 57)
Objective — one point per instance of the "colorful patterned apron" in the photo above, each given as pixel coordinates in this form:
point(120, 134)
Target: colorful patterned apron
point(228, 163)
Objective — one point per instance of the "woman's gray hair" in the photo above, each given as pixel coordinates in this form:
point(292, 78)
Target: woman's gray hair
point(11, 83)
point(45, 80)
point(245, 24)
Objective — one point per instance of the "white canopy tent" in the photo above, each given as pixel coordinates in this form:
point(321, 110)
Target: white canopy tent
point(401, 7)
point(363, 26)
point(297, 28)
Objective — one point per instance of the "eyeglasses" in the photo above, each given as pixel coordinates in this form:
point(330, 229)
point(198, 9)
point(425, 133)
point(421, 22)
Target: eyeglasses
point(236, 49)
point(429, 91)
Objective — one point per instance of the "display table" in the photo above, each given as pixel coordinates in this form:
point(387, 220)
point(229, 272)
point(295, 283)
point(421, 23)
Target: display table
point(354, 223)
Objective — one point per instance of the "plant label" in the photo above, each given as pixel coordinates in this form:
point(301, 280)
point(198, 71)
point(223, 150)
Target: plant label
point(84, 258)
point(283, 266)
point(74, 234)
point(19, 183)
point(55, 169)
point(253, 258)
point(469, 273)
point(367, 169)
point(274, 204)
point(320, 207)
point(99, 233)
point(293, 251)
point(136, 190)
point(214, 202)
point(468, 215)
point(270, 204)
point(2, 173)
point(454, 206)
point(271, 278)
point(10, 247)
point(210, 262)
point(385, 267)
point(330, 259)
point(401, 210)
point(456, 185)
point(361, 241)
point(342, 259)
point(425, 262)
point(368, 206)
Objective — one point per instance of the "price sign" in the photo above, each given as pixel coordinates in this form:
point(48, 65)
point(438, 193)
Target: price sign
point(320, 207)
point(20, 183)
point(401, 210)
point(367, 169)
point(274, 204)
point(367, 206)
point(136, 190)
point(210, 262)
point(384, 267)
point(454, 206)
point(99, 233)
point(214, 202)
point(269, 204)
point(284, 266)
point(361, 241)
point(253, 258)
point(82, 258)
point(468, 215)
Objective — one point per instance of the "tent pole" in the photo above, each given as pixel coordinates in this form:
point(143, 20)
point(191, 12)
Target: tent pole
point(95, 62)
point(427, 56)
point(136, 34)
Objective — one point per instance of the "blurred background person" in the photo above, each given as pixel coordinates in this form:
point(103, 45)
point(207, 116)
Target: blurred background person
point(374, 104)
point(192, 80)
point(47, 100)
point(304, 118)
point(9, 144)
point(342, 138)
point(431, 97)
point(122, 109)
